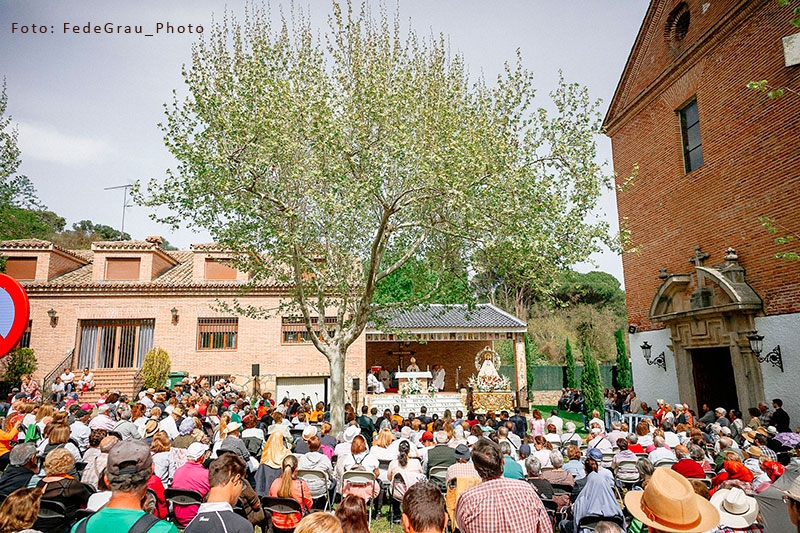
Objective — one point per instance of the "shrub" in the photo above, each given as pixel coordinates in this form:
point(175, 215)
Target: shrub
point(624, 378)
point(155, 368)
point(571, 383)
point(590, 383)
point(17, 363)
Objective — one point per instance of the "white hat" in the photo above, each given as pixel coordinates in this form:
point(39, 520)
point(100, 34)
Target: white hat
point(350, 433)
point(309, 432)
point(196, 450)
point(772, 430)
point(736, 509)
point(233, 426)
point(472, 439)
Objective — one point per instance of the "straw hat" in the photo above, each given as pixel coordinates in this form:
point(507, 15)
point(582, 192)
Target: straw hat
point(231, 427)
point(736, 509)
point(763, 431)
point(669, 504)
point(753, 451)
point(749, 435)
point(150, 429)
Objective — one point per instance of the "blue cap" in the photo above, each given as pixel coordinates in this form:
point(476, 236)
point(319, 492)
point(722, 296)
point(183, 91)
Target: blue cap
point(525, 450)
point(595, 454)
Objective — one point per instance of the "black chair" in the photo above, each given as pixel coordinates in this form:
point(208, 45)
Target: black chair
point(282, 506)
point(80, 514)
point(52, 516)
point(80, 466)
point(91, 488)
point(590, 521)
point(181, 497)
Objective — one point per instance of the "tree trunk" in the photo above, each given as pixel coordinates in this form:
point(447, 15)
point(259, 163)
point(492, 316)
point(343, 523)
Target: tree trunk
point(336, 358)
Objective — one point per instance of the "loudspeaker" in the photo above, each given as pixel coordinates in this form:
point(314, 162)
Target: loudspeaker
point(356, 384)
point(256, 370)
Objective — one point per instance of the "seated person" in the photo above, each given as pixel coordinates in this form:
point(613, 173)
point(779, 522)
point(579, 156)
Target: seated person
point(86, 383)
point(534, 470)
point(374, 385)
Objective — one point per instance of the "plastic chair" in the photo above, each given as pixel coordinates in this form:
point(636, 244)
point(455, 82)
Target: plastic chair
point(274, 504)
point(181, 497)
point(52, 515)
point(361, 478)
point(318, 475)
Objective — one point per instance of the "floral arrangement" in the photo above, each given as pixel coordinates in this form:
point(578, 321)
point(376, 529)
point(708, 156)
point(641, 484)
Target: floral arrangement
point(414, 386)
point(489, 383)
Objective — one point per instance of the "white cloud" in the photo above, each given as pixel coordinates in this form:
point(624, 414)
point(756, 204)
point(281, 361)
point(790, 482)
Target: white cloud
point(44, 142)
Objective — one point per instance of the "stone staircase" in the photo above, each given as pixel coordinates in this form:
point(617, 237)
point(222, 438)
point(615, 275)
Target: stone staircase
point(436, 404)
point(112, 379)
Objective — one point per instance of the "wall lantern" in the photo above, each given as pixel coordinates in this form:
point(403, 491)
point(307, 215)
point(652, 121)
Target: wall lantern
point(174, 312)
point(660, 359)
point(757, 345)
point(53, 317)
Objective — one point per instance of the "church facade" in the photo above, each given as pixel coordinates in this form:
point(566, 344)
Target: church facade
point(714, 315)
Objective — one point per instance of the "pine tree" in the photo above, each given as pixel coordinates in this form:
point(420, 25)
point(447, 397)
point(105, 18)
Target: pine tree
point(590, 383)
point(571, 383)
point(624, 378)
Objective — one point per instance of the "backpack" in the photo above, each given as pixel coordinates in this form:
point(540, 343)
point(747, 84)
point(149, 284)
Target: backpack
point(254, 445)
point(32, 434)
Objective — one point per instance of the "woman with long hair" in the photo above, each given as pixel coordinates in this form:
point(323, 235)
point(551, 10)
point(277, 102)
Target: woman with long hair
point(20, 510)
point(288, 486)
point(382, 450)
point(271, 466)
point(352, 513)
point(537, 423)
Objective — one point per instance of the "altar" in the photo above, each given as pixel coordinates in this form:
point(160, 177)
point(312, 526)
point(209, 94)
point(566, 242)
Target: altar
point(489, 391)
point(482, 402)
point(404, 377)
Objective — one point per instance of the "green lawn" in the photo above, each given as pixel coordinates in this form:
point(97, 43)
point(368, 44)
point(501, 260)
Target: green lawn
point(574, 417)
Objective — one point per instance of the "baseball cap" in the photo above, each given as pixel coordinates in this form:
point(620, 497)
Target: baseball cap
point(196, 450)
point(427, 436)
point(595, 454)
point(525, 450)
point(129, 457)
point(462, 452)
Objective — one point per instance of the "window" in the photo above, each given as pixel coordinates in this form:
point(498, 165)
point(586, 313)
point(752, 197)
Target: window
point(122, 269)
point(25, 340)
point(114, 343)
point(23, 268)
point(217, 333)
point(690, 131)
point(293, 329)
point(218, 270)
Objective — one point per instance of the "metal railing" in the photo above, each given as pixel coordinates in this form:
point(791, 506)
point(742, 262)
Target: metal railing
point(138, 382)
point(56, 371)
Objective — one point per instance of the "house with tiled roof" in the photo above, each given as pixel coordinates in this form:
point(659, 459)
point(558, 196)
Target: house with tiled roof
point(106, 307)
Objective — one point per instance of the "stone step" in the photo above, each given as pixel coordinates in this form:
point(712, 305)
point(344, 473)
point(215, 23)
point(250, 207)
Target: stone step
point(111, 379)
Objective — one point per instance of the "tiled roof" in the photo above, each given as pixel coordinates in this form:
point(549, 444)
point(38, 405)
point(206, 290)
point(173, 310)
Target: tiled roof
point(124, 245)
point(38, 244)
point(437, 316)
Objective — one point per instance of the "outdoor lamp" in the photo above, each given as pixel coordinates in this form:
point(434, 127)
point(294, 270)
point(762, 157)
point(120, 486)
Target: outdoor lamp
point(646, 349)
point(774, 357)
point(53, 317)
point(174, 312)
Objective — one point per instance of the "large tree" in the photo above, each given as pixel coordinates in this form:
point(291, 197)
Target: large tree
point(329, 163)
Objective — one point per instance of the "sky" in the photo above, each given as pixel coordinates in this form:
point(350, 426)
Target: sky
point(87, 105)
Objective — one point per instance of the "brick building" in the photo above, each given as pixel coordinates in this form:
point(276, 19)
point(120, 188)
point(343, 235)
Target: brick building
point(713, 157)
point(106, 307)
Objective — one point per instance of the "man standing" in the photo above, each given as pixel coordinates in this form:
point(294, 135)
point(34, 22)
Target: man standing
point(367, 426)
point(226, 479)
point(780, 418)
point(765, 418)
point(128, 469)
point(520, 424)
point(497, 503)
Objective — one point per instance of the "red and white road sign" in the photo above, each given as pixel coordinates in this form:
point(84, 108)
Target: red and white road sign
point(15, 310)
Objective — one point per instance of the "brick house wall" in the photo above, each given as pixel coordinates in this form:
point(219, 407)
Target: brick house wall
point(750, 148)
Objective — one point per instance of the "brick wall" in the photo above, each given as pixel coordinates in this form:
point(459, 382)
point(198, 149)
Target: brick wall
point(751, 154)
point(451, 354)
point(259, 340)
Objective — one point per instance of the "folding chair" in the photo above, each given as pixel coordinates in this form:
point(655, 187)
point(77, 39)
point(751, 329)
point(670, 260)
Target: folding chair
point(361, 478)
point(52, 516)
point(398, 478)
point(590, 521)
point(318, 476)
point(282, 506)
point(552, 508)
point(181, 498)
point(437, 475)
point(665, 463)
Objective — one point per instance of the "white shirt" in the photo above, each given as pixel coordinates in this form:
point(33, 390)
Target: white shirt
point(659, 454)
point(81, 432)
point(168, 425)
point(67, 378)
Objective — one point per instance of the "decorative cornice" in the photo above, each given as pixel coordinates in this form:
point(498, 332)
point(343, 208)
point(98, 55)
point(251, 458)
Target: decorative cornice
point(41, 245)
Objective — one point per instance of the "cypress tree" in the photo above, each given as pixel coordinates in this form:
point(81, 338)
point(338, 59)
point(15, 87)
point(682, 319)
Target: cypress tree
point(590, 383)
point(571, 383)
point(624, 378)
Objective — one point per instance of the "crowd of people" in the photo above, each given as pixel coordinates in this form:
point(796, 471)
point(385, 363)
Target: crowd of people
point(209, 457)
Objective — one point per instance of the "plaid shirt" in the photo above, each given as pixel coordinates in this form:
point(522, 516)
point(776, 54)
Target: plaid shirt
point(771, 455)
point(502, 505)
point(765, 418)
